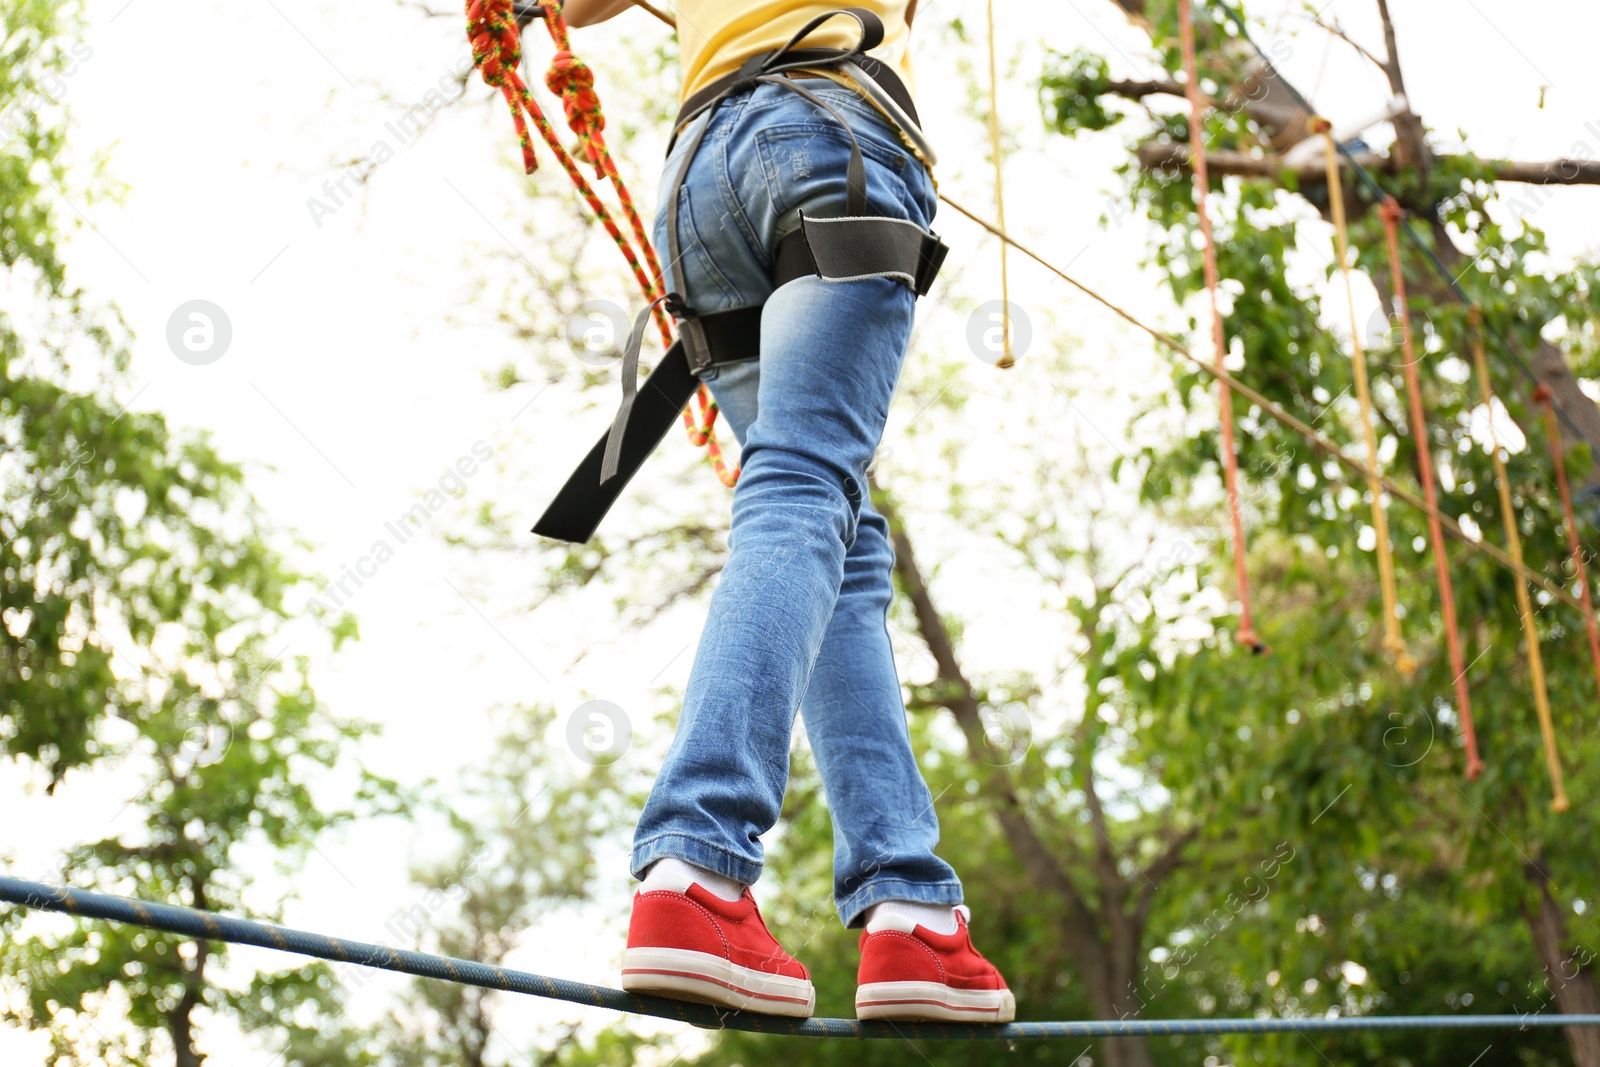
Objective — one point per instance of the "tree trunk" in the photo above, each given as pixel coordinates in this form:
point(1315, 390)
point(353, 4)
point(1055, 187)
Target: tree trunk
point(180, 1020)
point(1569, 972)
point(1108, 971)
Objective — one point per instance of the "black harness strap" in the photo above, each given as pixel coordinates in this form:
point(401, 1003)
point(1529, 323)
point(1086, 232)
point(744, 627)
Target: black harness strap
point(844, 249)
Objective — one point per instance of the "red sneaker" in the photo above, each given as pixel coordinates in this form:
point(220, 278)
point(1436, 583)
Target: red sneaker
point(917, 974)
point(696, 946)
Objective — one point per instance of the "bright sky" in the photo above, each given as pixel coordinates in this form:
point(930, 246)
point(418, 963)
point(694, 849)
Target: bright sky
point(354, 381)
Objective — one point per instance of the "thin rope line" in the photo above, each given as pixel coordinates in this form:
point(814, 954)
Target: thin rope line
point(1389, 210)
point(1280, 414)
point(1007, 358)
point(1530, 629)
point(191, 922)
point(1230, 459)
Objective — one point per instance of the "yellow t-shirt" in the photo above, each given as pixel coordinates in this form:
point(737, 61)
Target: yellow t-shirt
point(715, 36)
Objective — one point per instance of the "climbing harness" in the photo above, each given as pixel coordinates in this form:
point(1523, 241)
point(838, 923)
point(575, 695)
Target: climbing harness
point(1530, 628)
point(210, 926)
point(1390, 212)
point(1393, 641)
point(1230, 459)
point(848, 248)
point(1580, 573)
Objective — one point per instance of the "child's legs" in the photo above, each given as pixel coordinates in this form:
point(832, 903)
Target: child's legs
point(831, 355)
point(884, 823)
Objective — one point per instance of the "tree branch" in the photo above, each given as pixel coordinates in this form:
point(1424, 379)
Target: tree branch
point(1171, 858)
point(1347, 39)
point(1160, 155)
point(1138, 90)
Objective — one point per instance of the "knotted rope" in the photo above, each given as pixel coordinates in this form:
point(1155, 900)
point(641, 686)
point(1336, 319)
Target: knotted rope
point(1389, 211)
point(497, 52)
point(1530, 629)
point(1393, 641)
point(1230, 460)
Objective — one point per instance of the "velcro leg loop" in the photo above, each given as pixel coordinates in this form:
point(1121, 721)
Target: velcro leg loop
point(850, 249)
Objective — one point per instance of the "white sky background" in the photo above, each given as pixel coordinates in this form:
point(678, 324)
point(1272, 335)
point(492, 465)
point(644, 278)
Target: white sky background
point(355, 376)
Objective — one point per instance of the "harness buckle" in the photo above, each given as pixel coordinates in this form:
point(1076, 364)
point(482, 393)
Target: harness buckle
point(929, 260)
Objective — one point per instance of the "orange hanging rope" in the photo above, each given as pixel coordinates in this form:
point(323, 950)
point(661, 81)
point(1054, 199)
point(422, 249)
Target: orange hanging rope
point(1530, 629)
point(1230, 460)
point(1553, 431)
point(497, 52)
point(1389, 211)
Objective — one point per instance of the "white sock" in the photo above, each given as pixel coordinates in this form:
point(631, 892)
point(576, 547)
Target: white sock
point(906, 916)
point(676, 875)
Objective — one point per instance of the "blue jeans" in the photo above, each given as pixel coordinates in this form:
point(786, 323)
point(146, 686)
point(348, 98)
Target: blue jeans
point(798, 619)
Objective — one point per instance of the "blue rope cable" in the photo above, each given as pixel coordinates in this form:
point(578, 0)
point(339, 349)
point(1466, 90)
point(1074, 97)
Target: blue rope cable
point(192, 922)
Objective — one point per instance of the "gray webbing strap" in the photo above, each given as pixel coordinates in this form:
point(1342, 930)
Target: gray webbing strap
point(630, 390)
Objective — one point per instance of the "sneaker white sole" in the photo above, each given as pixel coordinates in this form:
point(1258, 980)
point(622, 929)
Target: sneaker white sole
point(684, 974)
point(934, 1002)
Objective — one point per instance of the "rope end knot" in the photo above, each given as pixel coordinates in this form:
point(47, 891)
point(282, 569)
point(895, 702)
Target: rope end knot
point(572, 79)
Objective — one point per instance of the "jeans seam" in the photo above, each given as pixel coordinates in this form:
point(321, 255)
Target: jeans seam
point(730, 194)
point(851, 907)
point(743, 861)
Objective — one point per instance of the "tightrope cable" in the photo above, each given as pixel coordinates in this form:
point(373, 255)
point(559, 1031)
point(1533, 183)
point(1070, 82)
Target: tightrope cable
point(191, 922)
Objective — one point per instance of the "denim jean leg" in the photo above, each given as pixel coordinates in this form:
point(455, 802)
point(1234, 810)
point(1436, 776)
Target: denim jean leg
point(884, 824)
point(794, 518)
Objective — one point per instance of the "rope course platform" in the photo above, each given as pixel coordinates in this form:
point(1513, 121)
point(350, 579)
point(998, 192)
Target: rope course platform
point(213, 927)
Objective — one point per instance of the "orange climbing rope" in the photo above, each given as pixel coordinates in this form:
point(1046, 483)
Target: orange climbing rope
point(1393, 641)
point(1389, 211)
point(497, 52)
point(1553, 431)
point(1230, 460)
point(1530, 629)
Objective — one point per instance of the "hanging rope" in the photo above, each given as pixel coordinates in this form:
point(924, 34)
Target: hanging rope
point(1450, 281)
point(1288, 419)
point(1553, 431)
point(1393, 641)
point(210, 926)
point(1230, 459)
point(1007, 359)
point(497, 52)
point(1389, 211)
point(1530, 629)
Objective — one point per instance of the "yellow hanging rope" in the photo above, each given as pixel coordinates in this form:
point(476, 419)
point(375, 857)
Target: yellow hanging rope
point(1530, 630)
point(1393, 641)
point(1007, 359)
